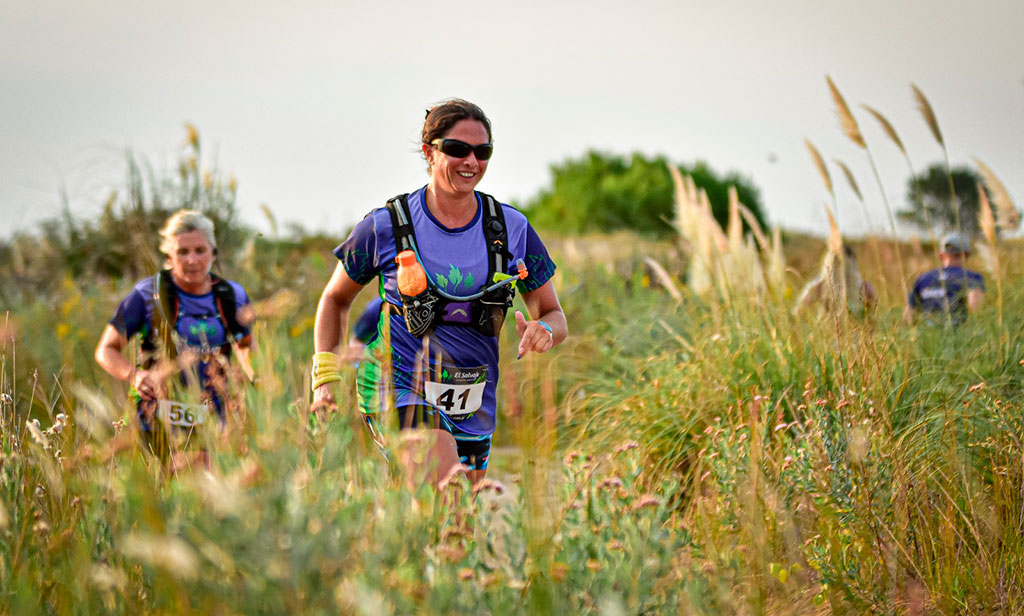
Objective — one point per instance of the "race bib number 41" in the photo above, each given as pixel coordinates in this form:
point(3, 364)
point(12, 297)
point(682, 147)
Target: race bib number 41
point(459, 392)
point(181, 414)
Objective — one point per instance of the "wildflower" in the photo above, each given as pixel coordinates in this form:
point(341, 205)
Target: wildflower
point(594, 565)
point(490, 485)
point(558, 571)
point(977, 387)
point(646, 500)
point(452, 553)
point(171, 554)
point(6, 398)
point(627, 446)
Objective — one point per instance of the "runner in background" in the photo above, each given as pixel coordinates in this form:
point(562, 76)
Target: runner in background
point(947, 294)
point(190, 324)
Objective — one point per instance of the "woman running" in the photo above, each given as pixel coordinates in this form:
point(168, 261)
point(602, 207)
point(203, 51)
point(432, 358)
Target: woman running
point(462, 256)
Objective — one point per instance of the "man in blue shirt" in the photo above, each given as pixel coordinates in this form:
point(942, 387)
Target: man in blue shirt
point(947, 294)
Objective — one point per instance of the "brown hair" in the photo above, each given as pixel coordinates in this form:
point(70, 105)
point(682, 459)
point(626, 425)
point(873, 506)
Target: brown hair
point(442, 117)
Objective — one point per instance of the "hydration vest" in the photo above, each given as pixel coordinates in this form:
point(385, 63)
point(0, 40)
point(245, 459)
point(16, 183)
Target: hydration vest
point(431, 308)
point(159, 337)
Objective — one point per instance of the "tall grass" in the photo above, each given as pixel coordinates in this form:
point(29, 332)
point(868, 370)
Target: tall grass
point(693, 448)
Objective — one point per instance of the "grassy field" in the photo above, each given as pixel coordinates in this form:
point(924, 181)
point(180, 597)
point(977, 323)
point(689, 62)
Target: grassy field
point(706, 454)
point(692, 448)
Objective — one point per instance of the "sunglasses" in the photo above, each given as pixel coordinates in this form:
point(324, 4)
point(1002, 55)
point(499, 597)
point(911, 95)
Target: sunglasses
point(461, 149)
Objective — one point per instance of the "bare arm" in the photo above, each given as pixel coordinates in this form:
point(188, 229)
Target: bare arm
point(542, 304)
point(332, 319)
point(110, 356)
point(975, 297)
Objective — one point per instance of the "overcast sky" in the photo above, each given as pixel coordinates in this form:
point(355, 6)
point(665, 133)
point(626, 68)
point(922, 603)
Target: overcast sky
point(316, 106)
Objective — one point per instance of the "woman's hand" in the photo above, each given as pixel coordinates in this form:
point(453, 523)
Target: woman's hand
point(146, 383)
point(534, 336)
point(323, 402)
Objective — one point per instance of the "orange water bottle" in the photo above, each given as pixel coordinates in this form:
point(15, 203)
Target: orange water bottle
point(412, 280)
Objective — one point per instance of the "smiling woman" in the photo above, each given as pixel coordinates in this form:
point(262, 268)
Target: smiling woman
point(459, 252)
point(189, 321)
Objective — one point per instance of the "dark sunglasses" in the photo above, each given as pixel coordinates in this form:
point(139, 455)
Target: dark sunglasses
point(461, 149)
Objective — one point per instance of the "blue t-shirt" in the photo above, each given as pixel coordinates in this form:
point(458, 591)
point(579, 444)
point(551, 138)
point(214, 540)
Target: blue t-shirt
point(945, 289)
point(459, 370)
point(365, 327)
point(198, 326)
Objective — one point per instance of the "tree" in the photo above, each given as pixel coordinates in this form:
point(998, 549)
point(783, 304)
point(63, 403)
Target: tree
point(605, 192)
point(931, 206)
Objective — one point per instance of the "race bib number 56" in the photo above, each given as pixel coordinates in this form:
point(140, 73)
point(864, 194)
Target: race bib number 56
point(181, 414)
point(459, 392)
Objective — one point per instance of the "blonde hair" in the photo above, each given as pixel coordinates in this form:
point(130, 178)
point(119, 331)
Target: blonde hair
point(185, 221)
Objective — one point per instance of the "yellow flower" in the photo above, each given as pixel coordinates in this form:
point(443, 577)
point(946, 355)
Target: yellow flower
point(192, 133)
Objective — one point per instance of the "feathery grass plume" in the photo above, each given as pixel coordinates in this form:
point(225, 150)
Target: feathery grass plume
point(987, 222)
point(690, 223)
point(1007, 214)
point(819, 162)
point(835, 239)
point(664, 279)
point(846, 119)
point(929, 115)
point(271, 219)
point(755, 228)
point(849, 178)
point(735, 225)
point(886, 127)
point(192, 135)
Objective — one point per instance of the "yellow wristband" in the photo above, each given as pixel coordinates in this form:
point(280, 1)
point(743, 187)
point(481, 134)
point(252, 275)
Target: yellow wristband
point(324, 362)
point(323, 379)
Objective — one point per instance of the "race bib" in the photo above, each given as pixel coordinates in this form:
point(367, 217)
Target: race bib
point(181, 414)
point(459, 392)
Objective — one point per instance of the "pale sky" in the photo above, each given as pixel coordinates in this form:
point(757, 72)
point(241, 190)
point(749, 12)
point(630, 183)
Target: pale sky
point(316, 106)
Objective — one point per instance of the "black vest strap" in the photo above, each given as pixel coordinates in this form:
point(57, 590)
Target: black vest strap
point(488, 311)
point(494, 231)
point(167, 305)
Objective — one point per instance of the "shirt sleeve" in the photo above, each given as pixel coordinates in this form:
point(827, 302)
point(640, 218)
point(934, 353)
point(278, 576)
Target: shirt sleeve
point(975, 281)
point(130, 316)
point(241, 299)
point(366, 325)
point(538, 263)
point(912, 297)
point(358, 253)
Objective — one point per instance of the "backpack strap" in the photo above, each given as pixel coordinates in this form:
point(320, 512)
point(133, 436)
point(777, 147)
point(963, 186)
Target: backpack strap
point(496, 234)
point(159, 336)
point(227, 310)
point(401, 223)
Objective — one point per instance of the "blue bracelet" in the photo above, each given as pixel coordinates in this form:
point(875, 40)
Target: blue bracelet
point(546, 326)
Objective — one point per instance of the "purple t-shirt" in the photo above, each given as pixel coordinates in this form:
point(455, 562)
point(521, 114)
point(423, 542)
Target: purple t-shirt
point(456, 261)
point(199, 326)
point(944, 289)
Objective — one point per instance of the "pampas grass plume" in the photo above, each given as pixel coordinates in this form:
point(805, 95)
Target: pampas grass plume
point(846, 119)
point(887, 127)
point(849, 178)
point(929, 116)
point(819, 162)
point(1007, 215)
